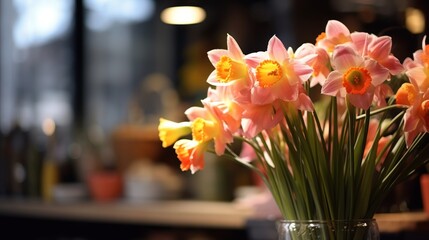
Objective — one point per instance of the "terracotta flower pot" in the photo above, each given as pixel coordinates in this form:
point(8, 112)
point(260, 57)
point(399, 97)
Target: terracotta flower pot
point(105, 186)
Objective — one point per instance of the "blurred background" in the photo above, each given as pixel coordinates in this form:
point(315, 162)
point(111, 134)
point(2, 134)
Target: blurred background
point(83, 84)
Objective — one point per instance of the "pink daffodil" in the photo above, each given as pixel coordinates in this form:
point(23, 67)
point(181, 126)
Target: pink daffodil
point(207, 125)
point(380, 50)
point(377, 48)
point(221, 99)
point(336, 33)
point(257, 118)
point(354, 76)
point(320, 63)
point(230, 69)
point(276, 75)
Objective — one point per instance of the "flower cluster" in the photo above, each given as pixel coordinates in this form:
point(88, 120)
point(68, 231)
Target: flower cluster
point(334, 158)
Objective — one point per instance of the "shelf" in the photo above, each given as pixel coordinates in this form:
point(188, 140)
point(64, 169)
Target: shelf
point(402, 222)
point(174, 213)
point(181, 213)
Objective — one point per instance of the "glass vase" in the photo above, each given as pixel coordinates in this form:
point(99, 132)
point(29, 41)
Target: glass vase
point(362, 229)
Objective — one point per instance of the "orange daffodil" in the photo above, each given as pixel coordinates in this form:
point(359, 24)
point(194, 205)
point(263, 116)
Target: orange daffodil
point(354, 76)
point(320, 64)
point(415, 94)
point(190, 154)
point(361, 64)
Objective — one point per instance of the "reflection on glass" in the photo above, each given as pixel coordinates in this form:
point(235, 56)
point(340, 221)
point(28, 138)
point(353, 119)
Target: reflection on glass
point(38, 22)
point(123, 47)
point(103, 13)
point(36, 63)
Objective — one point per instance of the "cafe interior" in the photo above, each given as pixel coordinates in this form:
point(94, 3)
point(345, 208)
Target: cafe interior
point(84, 83)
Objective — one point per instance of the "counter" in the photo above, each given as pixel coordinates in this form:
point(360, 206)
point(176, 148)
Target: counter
point(177, 213)
point(166, 216)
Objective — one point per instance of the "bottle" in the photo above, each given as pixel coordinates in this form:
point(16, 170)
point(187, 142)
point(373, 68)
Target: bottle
point(50, 174)
point(16, 149)
point(34, 168)
point(49, 178)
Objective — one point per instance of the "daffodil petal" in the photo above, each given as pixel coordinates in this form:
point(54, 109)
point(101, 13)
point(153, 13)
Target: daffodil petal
point(362, 101)
point(215, 55)
point(333, 84)
point(234, 49)
point(380, 47)
point(277, 50)
point(336, 28)
point(418, 77)
point(345, 57)
point(253, 59)
point(379, 74)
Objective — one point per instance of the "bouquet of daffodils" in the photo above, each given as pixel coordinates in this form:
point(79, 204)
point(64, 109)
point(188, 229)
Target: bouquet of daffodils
point(331, 128)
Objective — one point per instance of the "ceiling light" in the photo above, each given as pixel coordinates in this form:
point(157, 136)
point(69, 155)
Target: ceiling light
point(183, 15)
